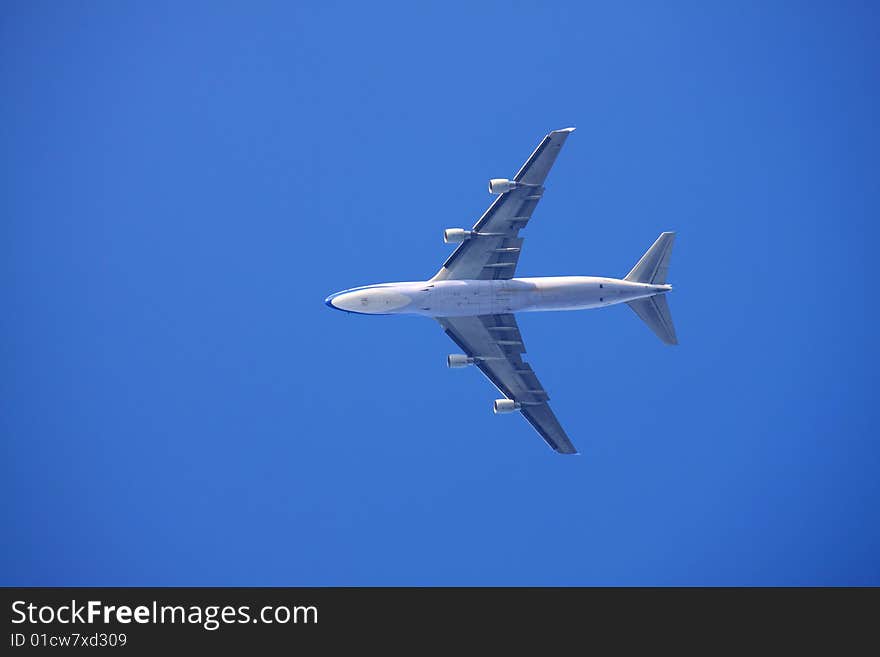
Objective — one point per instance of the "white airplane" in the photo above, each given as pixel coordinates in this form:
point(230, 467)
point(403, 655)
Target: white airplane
point(474, 295)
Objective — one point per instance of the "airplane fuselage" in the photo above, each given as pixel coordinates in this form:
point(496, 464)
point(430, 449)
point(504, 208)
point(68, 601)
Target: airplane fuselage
point(454, 298)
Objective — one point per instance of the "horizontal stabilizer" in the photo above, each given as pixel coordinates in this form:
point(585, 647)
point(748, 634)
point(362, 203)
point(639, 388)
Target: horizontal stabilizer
point(654, 311)
point(654, 265)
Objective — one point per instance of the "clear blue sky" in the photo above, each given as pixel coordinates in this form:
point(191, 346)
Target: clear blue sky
point(183, 184)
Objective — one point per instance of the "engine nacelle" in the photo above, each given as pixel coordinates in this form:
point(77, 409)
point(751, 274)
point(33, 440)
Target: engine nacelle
point(456, 235)
point(501, 185)
point(505, 406)
point(458, 360)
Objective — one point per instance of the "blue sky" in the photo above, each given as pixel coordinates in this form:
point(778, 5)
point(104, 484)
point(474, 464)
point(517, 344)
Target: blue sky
point(183, 184)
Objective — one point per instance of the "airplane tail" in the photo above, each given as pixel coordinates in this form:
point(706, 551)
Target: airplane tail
point(653, 268)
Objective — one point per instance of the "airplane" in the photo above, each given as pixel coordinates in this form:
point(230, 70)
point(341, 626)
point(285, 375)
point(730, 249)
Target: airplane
point(474, 295)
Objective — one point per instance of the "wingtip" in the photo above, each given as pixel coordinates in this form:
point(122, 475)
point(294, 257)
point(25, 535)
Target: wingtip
point(566, 130)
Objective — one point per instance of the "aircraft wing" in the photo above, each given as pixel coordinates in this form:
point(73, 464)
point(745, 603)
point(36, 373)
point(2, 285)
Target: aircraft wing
point(494, 341)
point(493, 252)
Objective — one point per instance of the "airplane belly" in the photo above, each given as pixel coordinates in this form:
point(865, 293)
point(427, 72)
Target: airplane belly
point(459, 299)
point(501, 298)
point(472, 297)
point(567, 293)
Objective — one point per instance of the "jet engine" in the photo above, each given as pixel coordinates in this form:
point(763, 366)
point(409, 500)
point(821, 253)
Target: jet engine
point(454, 361)
point(505, 406)
point(456, 235)
point(501, 185)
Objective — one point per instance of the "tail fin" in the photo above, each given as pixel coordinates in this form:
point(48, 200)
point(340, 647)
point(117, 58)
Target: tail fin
point(653, 268)
point(654, 265)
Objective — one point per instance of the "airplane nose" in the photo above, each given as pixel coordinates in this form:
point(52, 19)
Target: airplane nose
point(329, 302)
